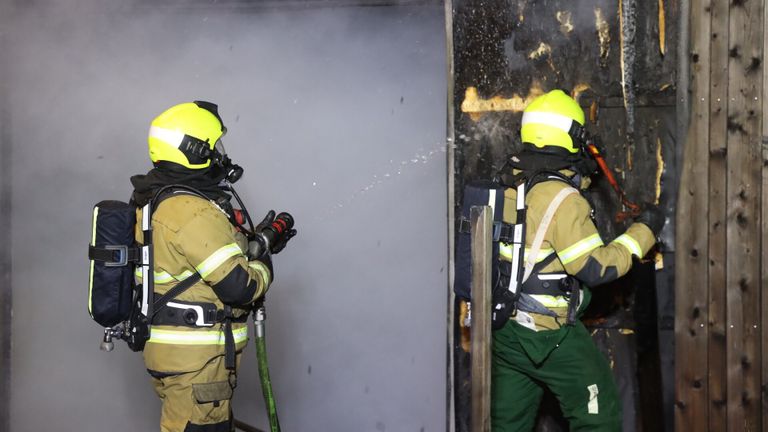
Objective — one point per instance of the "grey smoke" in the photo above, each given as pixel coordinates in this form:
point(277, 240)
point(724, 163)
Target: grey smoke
point(321, 103)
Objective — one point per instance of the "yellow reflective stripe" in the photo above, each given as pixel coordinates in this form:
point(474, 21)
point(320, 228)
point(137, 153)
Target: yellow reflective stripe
point(551, 301)
point(505, 250)
point(163, 277)
point(93, 243)
point(195, 337)
point(631, 244)
point(262, 269)
point(580, 248)
point(218, 258)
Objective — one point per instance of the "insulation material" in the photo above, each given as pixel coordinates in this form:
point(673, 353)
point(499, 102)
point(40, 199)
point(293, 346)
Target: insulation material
point(565, 18)
point(476, 106)
point(603, 35)
point(662, 29)
point(659, 170)
point(541, 50)
point(627, 16)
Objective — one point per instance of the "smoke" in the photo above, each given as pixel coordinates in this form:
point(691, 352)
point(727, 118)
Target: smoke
point(321, 104)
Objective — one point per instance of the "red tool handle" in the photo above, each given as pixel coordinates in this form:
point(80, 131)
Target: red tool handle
point(634, 209)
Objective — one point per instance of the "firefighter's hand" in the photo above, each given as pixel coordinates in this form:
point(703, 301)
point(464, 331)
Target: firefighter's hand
point(257, 248)
point(268, 219)
point(282, 240)
point(652, 217)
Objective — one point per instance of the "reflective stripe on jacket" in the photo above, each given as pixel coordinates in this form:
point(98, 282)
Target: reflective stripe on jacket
point(191, 234)
point(572, 235)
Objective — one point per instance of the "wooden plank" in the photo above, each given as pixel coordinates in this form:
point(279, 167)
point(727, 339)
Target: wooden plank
point(451, 173)
point(743, 225)
point(691, 244)
point(481, 218)
point(764, 233)
point(717, 216)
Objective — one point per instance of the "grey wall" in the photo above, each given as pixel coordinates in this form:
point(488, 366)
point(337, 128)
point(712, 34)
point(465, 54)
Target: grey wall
point(338, 115)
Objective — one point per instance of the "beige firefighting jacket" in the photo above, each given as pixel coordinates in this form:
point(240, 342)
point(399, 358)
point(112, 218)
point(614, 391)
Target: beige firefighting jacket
point(572, 235)
point(191, 234)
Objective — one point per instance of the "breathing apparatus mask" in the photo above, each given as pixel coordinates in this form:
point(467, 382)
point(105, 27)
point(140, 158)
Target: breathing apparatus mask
point(586, 163)
point(220, 161)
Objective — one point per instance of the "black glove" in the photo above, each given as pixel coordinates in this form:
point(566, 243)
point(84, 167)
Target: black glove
point(266, 222)
point(272, 234)
point(282, 240)
point(257, 245)
point(652, 217)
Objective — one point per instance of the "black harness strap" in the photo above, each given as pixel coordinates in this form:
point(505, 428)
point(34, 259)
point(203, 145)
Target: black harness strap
point(114, 255)
point(172, 293)
point(229, 339)
point(162, 302)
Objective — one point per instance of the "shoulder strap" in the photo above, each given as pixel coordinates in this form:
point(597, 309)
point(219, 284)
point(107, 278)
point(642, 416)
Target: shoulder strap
point(542, 230)
point(149, 307)
point(174, 292)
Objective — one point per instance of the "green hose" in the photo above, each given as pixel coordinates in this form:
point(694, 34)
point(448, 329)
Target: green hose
point(259, 317)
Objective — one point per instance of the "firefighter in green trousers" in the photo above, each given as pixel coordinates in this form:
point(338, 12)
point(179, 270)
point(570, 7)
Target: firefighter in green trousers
point(542, 344)
point(197, 338)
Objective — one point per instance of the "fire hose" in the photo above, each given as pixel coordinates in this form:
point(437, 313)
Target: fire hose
point(269, 237)
point(259, 331)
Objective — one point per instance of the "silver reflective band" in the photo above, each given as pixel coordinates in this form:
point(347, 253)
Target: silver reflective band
point(521, 198)
point(492, 200)
point(145, 289)
point(515, 265)
point(592, 405)
point(518, 252)
point(170, 137)
point(552, 276)
point(549, 119)
point(145, 217)
point(146, 220)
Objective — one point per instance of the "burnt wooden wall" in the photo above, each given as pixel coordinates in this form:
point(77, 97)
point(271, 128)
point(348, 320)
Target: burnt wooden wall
point(721, 316)
point(507, 51)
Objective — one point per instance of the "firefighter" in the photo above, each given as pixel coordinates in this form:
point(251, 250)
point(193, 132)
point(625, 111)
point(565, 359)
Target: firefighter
point(542, 344)
point(197, 338)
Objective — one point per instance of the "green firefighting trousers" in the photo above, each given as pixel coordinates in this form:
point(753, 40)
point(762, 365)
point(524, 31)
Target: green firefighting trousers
point(567, 362)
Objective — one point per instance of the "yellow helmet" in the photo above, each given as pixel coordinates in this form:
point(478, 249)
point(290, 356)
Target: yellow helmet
point(553, 120)
point(186, 134)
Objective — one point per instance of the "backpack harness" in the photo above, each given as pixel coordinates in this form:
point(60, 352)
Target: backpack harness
point(131, 320)
point(516, 283)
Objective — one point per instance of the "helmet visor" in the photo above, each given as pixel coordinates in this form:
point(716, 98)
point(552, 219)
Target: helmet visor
point(219, 147)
